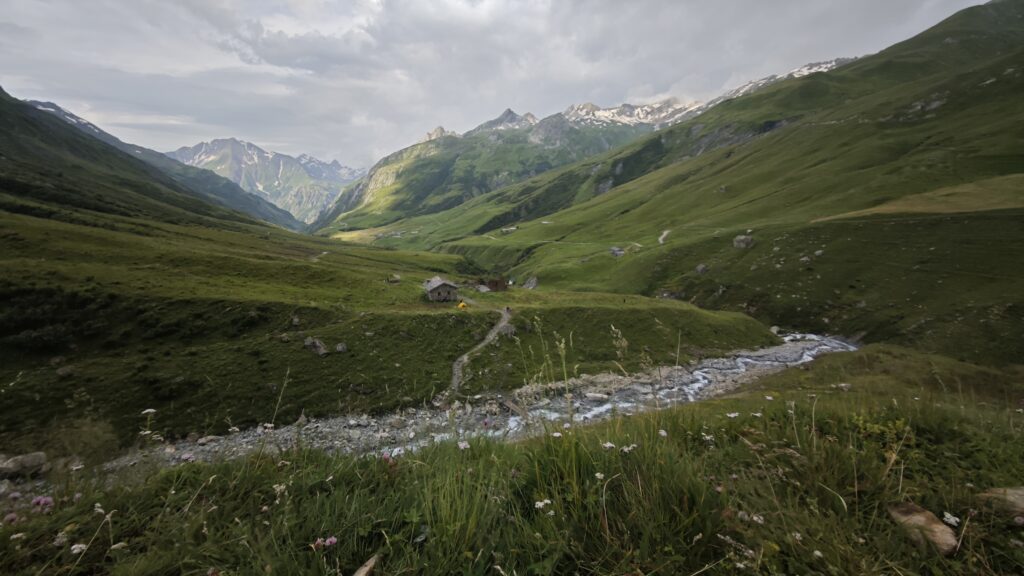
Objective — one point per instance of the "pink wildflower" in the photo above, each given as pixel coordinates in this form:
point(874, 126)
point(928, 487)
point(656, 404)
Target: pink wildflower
point(331, 541)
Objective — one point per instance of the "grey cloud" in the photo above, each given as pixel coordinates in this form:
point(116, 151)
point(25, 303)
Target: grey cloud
point(356, 80)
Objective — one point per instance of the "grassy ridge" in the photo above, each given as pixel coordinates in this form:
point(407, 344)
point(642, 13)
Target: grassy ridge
point(792, 477)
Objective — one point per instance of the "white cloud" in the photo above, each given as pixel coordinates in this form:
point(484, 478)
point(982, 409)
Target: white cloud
point(354, 80)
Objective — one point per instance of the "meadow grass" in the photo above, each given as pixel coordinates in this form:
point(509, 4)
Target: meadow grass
point(793, 476)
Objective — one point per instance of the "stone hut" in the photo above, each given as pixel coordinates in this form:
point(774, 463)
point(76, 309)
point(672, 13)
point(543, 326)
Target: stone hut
point(440, 290)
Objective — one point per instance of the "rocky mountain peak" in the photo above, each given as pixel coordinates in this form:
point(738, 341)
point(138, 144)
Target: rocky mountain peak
point(438, 133)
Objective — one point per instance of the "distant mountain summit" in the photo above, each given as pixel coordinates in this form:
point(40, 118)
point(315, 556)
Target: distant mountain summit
point(202, 182)
point(303, 186)
point(656, 115)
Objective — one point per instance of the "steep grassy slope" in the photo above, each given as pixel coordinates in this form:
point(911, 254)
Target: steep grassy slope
point(899, 168)
point(205, 183)
point(440, 174)
point(794, 477)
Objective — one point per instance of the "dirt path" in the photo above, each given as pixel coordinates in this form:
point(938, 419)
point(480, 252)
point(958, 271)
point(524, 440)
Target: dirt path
point(460, 363)
point(664, 234)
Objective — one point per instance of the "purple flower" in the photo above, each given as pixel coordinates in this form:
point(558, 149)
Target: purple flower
point(11, 518)
point(331, 541)
point(14, 495)
point(43, 502)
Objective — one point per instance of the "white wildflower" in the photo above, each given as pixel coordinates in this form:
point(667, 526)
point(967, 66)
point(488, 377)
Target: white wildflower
point(61, 539)
point(148, 411)
point(556, 434)
point(769, 398)
point(540, 504)
point(757, 518)
point(280, 489)
point(97, 508)
point(628, 449)
point(79, 548)
point(709, 438)
point(662, 433)
point(551, 512)
point(732, 414)
point(18, 536)
point(463, 445)
point(566, 426)
point(608, 446)
point(950, 519)
point(797, 536)
point(119, 546)
point(756, 414)
point(599, 476)
point(817, 554)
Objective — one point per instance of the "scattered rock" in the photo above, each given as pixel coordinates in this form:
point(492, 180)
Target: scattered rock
point(616, 251)
point(65, 371)
point(530, 283)
point(819, 252)
point(296, 321)
point(302, 420)
point(743, 241)
point(701, 269)
point(481, 288)
point(25, 465)
point(805, 259)
point(1011, 499)
point(774, 329)
point(207, 440)
point(316, 345)
point(394, 279)
point(604, 186)
point(367, 568)
point(595, 396)
point(284, 337)
point(922, 526)
point(341, 348)
point(507, 330)
point(844, 386)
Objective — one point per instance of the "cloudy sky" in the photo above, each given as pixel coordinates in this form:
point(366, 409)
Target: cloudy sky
point(357, 79)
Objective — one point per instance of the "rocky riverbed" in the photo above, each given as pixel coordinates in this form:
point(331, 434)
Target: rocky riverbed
point(528, 411)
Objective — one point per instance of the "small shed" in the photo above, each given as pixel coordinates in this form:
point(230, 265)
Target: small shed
point(499, 284)
point(440, 290)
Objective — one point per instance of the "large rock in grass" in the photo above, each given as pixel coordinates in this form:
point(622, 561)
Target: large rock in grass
point(25, 465)
point(743, 241)
point(924, 527)
point(1010, 499)
point(316, 345)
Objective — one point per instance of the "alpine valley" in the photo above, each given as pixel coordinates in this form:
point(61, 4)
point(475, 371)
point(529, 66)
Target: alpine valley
point(779, 331)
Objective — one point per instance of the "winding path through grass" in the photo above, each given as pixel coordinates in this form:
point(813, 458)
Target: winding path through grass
point(460, 363)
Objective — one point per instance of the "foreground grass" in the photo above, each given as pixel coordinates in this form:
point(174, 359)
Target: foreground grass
point(792, 477)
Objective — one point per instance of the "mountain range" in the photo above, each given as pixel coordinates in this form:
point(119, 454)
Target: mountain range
point(304, 186)
point(446, 168)
point(204, 182)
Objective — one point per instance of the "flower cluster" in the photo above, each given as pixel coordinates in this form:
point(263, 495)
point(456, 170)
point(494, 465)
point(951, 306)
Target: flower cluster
point(321, 543)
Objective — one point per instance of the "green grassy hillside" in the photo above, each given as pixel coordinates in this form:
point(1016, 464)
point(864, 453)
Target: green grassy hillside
point(123, 291)
point(900, 168)
point(205, 183)
point(440, 174)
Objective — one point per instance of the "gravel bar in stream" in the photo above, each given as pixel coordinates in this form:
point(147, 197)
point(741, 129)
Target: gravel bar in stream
point(524, 412)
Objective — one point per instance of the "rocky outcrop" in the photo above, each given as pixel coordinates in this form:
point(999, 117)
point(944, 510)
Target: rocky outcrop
point(24, 466)
point(316, 345)
point(743, 241)
point(923, 527)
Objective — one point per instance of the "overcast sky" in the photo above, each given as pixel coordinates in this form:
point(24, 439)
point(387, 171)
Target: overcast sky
point(357, 79)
